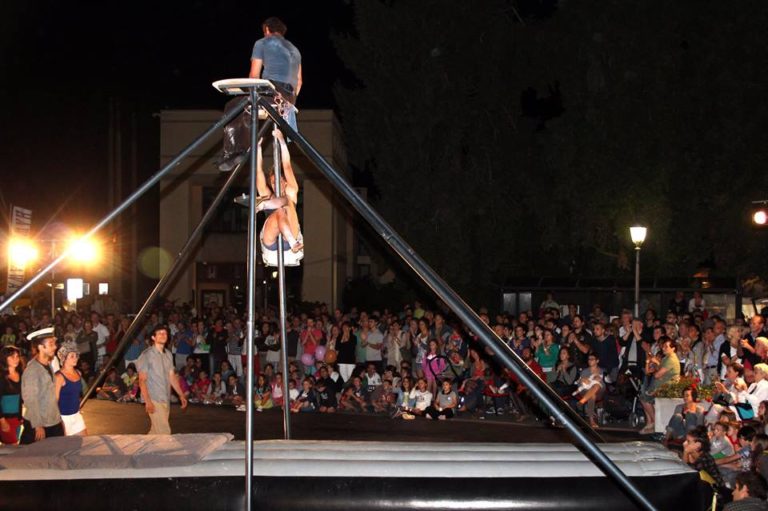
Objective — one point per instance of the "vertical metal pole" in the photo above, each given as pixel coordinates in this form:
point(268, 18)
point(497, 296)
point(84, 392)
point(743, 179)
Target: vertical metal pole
point(252, 237)
point(281, 297)
point(53, 282)
point(637, 281)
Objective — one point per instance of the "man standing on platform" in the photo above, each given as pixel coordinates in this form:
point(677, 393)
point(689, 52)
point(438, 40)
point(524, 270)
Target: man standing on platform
point(275, 59)
point(41, 411)
point(157, 375)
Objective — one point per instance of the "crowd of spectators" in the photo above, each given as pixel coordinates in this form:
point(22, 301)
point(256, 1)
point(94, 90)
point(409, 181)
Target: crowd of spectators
point(420, 362)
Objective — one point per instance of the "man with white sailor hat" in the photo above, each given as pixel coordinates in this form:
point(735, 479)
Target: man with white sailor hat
point(41, 411)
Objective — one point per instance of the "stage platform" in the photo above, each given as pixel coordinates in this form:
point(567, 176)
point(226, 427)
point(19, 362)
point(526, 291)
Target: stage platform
point(338, 462)
point(109, 418)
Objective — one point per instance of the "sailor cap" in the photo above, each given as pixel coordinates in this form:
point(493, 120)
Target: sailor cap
point(41, 335)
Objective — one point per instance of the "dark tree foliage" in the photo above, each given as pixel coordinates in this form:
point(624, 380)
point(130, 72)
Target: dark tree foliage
point(502, 149)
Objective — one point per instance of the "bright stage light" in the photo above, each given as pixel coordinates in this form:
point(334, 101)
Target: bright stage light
point(21, 252)
point(760, 217)
point(83, 251)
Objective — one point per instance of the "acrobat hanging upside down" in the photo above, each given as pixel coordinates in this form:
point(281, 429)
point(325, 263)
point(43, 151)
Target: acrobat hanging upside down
point(282, 217)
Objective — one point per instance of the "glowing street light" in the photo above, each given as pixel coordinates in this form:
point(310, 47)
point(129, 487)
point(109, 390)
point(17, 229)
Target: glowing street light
point(83, 250)
point(760, 217)
point(22, 252)
point(637, 233)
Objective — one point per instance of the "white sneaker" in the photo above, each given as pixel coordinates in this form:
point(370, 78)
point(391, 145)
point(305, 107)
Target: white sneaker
point(240, 408)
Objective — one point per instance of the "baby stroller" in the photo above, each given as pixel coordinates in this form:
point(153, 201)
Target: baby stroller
point(623, 402)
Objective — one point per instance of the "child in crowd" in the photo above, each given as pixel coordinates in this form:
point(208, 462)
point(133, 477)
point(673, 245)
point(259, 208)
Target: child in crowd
point(445, 403)
point(278, 390)
point(421, 397)
point(217, 390)
point(131, 383)
point(696, 453)
point(112, 388)
point(384, 398)
point(262, 394)
point(720, 445)
point(326, 397)
point(306, 401)
point(355, 397)
point(741, 460)
point(235, 393)
point(200, 387)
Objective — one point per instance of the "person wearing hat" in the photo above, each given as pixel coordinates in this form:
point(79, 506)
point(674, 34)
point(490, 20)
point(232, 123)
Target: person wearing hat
point(157, 374)
point(41, 411)
point(69, 387)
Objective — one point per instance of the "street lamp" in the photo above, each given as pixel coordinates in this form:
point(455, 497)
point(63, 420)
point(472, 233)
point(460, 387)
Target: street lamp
point(637, 234)
point(22, 252)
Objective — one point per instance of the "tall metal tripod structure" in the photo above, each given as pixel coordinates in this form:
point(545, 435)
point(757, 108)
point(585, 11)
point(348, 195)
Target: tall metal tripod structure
point(260, 94)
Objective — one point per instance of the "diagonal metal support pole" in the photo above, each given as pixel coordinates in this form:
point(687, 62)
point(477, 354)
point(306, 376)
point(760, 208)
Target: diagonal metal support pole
point(216, 128)
point(177, 265)
point(487, 336)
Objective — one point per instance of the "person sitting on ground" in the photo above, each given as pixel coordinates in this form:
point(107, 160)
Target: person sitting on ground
point(372, 379)
point(326, 397)
point(685, 417)
point(217, 390)
point(262, 394)
point(199, 389)
point(403, 404)
point(741, 461)
point(591, 387)
point(278, 390)
point(306, 401)
point(384, 398)
point(720, 444)
point(281, 211)
point(113, 388)
point(130, 380)
point(696, 449)
point(421, 397)
point(235, 392)
point(749, 493)
point(445, 403)
point(355, 397)
point(759, 461)
point(496, 389)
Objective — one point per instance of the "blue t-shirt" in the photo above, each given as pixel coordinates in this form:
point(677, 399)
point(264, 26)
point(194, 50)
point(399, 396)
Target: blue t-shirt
point(280, 59)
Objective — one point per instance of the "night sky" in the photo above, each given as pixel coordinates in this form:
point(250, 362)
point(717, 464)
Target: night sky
point(63, 61)
point(581, 117)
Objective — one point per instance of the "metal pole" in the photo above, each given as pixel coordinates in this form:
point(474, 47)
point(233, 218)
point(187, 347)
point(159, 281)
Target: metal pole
point(53, 283)
point(504, 353)
point(131, 199)
point(637, 281)
point(252, 253)
point(164, 280)
point(277, 162)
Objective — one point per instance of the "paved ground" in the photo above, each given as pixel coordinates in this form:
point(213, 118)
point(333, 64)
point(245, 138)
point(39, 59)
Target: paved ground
point(106, 417)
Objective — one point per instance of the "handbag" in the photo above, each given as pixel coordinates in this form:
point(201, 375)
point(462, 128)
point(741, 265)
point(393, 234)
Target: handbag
point(745, 411)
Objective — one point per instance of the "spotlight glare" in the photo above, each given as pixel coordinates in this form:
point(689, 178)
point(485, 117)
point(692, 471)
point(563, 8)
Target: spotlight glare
point(83, 250)
point(760, 217)
point(21, 252)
